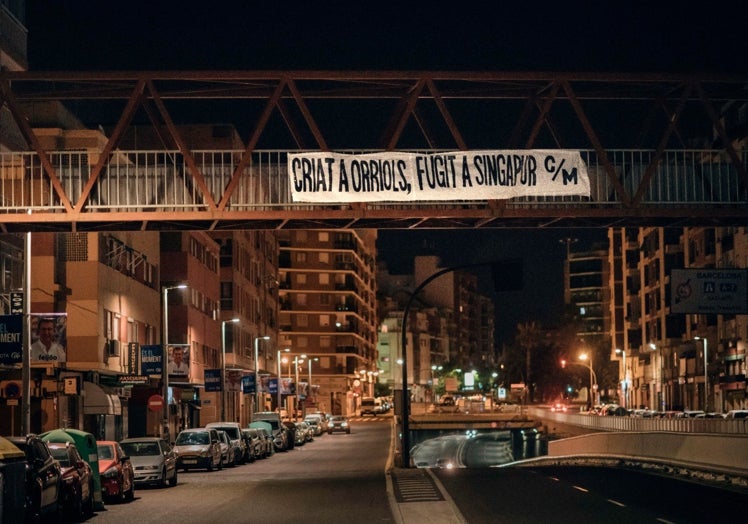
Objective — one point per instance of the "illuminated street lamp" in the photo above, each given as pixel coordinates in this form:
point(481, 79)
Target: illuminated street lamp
point(164, 358)
point(297, 361)
point(593, 377)
point(278, 392)
point(624, 386)
point(223, 365)
point(309, 370)
point(706, 379)
point(257, 370)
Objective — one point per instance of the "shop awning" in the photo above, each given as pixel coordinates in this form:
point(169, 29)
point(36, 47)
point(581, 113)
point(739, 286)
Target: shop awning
point(96, 401)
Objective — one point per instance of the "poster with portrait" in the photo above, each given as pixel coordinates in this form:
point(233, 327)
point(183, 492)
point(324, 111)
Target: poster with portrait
point(48, 337)
point(234, 380)
point(179, 360)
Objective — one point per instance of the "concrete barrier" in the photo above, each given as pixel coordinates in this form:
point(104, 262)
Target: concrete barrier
point(727, 454)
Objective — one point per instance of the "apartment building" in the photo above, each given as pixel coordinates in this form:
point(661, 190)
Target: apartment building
point(328, 312)
point(666, 352)
point(249, 315)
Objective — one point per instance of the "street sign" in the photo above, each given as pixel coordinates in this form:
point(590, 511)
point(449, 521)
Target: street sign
point(155, 402)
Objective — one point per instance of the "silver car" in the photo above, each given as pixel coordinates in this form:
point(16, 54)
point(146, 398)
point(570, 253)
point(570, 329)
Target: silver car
point(153, 460)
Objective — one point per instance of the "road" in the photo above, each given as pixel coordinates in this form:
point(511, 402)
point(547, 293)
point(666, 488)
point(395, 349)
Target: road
point(585, 495)
point(341, 478)
point(336, 478)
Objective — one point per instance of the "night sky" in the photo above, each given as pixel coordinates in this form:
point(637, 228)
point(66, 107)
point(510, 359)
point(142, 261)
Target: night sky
point(522, 36)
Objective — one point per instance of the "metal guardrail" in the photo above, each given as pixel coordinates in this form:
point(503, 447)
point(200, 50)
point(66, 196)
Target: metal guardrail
point(672, 425)
point(163, 181)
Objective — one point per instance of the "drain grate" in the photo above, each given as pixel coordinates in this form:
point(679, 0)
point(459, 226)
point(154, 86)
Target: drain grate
point(415, 486)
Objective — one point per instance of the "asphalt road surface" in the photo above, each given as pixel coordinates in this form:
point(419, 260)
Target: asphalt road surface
point(336, 478)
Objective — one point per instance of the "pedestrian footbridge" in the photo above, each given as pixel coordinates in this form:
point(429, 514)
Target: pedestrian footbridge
point(216, 150)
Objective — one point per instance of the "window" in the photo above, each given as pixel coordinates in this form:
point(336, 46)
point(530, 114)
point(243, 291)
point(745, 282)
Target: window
point(301, 299)
point(301, 278)
point(302, 320)
point(300, 257)
point(324, 257)
point(324, 278)
point(323, 236)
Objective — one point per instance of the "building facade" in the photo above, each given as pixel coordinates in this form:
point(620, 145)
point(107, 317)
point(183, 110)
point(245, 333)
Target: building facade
point(327, 298)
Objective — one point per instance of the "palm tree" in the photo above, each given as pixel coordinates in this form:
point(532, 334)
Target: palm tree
point(528, 337)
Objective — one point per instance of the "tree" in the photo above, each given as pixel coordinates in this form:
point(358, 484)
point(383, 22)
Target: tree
point(528, 338)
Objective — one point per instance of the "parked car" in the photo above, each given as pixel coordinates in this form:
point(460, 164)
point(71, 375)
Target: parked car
point(267, 438)
point(338, 423)
point(198, 448)
point(77, 480)
point(737, 414)
point(116, 471)
point(153, 459)
point(324, 417)
point(303, 433)
point(234, 431)
point(290, 433)
point(255, 444)
point(277, 429)
point(43, 477)
point(315, 422)
point(227, 450)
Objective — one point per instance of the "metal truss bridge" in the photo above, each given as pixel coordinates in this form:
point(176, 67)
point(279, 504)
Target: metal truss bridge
point(661, 149)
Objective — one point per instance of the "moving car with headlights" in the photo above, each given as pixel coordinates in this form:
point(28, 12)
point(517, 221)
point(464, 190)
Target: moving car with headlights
point(77, 496)
point(116, 472)
point(153, 460)
point(338, 423)
point(43, 477)
point(198, 448)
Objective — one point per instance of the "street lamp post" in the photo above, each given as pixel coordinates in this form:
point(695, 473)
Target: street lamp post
point(706, 378)
point(593, 376)
point(278, 388)
point(223, 365)
point(164, 358)
point(309, 370)
point(624, 387)
point(297, 361)
point(257, 370)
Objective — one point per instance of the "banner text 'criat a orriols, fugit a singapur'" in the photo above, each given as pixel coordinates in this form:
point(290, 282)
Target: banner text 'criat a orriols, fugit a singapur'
point(326, 177)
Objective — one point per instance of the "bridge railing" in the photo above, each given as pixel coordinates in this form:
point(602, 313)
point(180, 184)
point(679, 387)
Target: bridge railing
point(677, 425)
point(166, 181)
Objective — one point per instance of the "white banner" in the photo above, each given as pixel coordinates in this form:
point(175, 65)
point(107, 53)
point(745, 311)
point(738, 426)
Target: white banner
point(459, 175)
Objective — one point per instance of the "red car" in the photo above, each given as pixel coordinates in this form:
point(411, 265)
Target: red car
point(77, 480)
point(116, 471)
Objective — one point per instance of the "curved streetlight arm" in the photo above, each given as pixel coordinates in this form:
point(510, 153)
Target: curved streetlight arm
point(588, 366)
point(405, 439)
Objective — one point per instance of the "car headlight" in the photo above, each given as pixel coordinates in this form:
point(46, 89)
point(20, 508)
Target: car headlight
point(343, 424)
point(110, 473)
